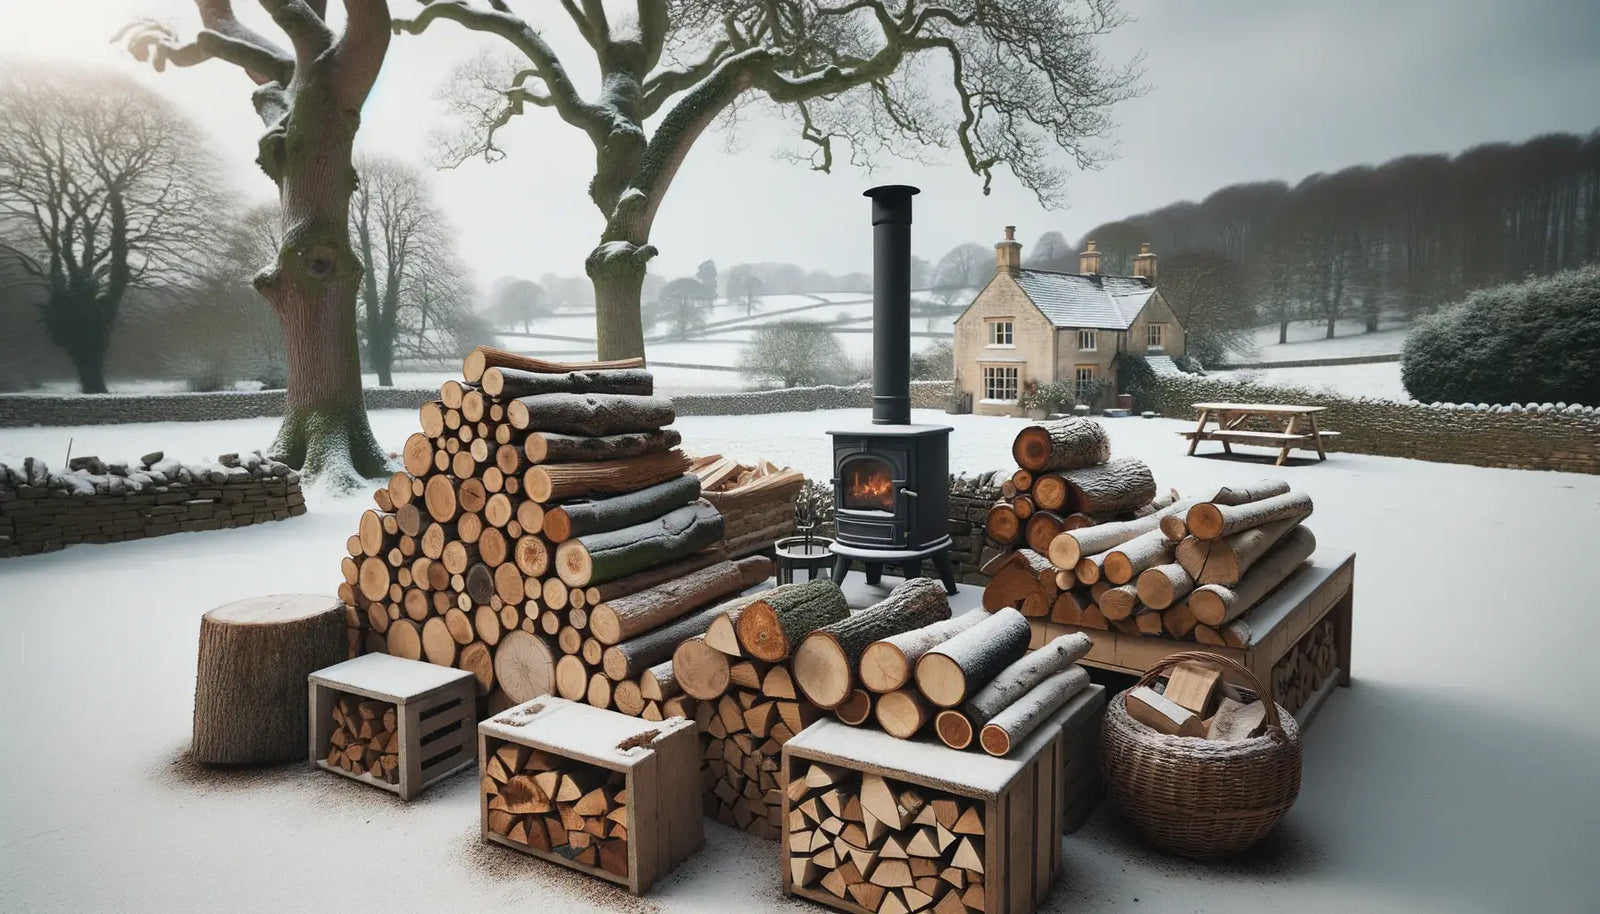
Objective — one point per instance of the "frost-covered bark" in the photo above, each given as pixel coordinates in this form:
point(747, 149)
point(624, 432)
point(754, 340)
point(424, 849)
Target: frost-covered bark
point(310, 98)
point(1025, 76)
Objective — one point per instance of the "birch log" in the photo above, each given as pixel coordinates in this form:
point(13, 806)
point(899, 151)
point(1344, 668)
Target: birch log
point(956, 728)
point(1215, 605)
point(1147, 550)
point(1209, 521)
point(1069, 547)
point(1025, 715)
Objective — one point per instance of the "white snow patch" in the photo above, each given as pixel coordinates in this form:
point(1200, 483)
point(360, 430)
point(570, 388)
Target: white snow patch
point(1380, 380)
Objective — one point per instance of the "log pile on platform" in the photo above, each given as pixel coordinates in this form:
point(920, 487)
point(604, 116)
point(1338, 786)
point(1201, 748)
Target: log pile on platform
point(1181, 569)
point(546, 535)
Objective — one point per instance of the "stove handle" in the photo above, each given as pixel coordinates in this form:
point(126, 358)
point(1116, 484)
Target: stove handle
point(909, 493)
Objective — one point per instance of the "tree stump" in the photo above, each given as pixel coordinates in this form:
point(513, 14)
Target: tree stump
point(250, 694)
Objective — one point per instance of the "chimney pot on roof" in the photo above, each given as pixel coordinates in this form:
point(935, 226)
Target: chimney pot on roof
point(1008, 253)
point(1145, 264)
point(1089, 260)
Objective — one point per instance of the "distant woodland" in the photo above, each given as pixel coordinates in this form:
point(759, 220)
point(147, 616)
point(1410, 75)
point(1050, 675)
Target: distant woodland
point(1401, 238)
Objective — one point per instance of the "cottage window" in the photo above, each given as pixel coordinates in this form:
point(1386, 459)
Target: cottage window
point(1000, 384)
point(1083, 379)
point(1086, 340)
point(1155, 336)
point(1000, 333)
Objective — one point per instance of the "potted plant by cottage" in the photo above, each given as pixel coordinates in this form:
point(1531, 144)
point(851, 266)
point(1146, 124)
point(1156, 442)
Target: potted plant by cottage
point(1040, 400)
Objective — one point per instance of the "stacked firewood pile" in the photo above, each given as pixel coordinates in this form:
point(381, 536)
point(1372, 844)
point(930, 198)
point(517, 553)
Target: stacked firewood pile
point(366, 738)
point(737, 667)
point(905, 662)
point(559, 805)
point(885, 847)
point(545, 535)
point(1184, 569)
point(1307, 666)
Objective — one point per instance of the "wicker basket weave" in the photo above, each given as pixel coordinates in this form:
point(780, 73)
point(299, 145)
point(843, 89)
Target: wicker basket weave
point(755, 516)
point(1205, 799)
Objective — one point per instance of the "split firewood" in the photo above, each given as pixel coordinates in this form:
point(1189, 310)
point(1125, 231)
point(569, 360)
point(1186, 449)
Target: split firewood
point(1194, 686)
point(951, 671)
point(1224, 560)
point(1156, 711)
point(1209, 521)
point(1214, 604)
point(364, 740)
point(770, 628)
point(889, 663)
point(825, 663)
point(1061, 444)
point(957, 727)
point(1233, 721)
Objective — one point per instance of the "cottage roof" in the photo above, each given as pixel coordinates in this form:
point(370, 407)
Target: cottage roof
point(1087, 300)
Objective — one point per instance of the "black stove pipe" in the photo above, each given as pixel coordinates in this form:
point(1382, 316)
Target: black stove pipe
point(891, 303)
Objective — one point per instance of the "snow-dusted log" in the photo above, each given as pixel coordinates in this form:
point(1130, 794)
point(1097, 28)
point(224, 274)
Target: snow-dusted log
point(513, 383)
point(1123, 484)
point(1147, 550)
point(950, 672)
point(888, 664)
point(1239, 495)
point(1209, 521)
point(1025, 715)
point(1163, 585)
point(1069, 547)
point(826, 660)
point(1225, 559)
point(956, 728)
point(1061, 444)
point(1214, 604)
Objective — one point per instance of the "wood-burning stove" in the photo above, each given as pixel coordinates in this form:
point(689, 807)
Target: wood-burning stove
point(891, 480)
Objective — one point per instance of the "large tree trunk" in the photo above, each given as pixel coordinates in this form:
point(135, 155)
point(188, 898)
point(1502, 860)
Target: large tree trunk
point(617, 269)
point(90, 362)
point(313, 286)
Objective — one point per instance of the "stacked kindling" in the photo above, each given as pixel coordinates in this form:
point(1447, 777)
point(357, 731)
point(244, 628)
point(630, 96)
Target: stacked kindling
point(556, 804)
point(885, 846)
point(1066, 482)
point(1193, 700)
point(546, 536)
point(366, 738)
point(748, 707)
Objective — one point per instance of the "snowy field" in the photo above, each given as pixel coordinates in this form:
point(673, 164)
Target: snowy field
point(1379, 380)
point(1308, 340)
point(1456, 775)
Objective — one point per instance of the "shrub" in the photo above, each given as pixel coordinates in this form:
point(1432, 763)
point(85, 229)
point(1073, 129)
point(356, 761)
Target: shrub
point(1531, 342)
point(1050, 396)
point(795, 353)
point(936, 363)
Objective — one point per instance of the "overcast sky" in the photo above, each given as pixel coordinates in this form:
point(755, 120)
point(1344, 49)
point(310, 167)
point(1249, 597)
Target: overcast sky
point(1239, 90)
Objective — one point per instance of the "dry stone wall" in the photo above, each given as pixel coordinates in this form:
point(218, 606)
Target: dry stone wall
point(20, 410)
point(1548, 436)
point(96, 502)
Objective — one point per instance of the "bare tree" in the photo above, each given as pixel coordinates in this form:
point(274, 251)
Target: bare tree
point(1024, 77)
point(398, 231)
point(102, 189)
point(519, 302)
point(309, 96)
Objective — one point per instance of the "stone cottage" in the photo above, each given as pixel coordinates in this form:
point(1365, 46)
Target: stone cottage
point(1041, 325)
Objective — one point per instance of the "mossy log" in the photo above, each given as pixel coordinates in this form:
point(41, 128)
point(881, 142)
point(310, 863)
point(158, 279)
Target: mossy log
point(601, 557)
point(770, 628)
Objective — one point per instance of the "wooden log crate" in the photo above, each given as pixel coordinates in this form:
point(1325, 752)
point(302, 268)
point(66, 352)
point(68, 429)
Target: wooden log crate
point(877, 824)
point(1080, 770)
point(609, 795)
point(398, 724)
point(1272, 632)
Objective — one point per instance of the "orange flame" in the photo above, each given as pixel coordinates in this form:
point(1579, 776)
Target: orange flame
point(873, 486)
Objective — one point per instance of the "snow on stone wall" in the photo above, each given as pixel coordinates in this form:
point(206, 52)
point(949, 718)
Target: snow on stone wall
point(1548, 436)
point(109, 409)
point(96, 502)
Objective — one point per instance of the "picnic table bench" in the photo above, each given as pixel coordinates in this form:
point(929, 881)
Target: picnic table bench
point(1228, 417)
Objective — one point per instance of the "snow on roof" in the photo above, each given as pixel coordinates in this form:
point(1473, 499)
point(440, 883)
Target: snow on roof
point(1087, 300)
point(1163, 364)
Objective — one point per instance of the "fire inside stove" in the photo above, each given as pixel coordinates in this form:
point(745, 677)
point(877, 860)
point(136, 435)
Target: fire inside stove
point(868, 485)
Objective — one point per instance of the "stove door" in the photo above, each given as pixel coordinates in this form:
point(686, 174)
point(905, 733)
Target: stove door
point(866, 483)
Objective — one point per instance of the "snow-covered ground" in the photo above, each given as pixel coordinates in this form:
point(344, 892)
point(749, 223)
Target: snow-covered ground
point(1456, 775)
point(1379, 379)
point(1308, 340)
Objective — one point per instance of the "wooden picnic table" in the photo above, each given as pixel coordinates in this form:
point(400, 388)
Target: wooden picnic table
point(1228, 417)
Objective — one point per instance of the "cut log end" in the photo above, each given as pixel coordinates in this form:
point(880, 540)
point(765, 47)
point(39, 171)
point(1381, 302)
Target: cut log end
point(953, 728)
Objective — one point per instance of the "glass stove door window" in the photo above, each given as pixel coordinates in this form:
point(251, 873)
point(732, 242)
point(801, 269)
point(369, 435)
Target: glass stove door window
point(868, 485)
point(1000, 333)
point(1000, 384)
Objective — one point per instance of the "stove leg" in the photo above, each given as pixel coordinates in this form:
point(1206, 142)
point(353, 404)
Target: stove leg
point(841, 567)
point(947, 571)
point(910, 568)
point(874, 572)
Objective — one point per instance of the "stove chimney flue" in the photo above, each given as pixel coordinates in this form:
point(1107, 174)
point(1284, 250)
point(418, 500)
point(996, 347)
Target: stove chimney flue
point(891, 303)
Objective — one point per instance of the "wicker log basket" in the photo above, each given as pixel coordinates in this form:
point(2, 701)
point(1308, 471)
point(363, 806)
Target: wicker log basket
point(1200, 798)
